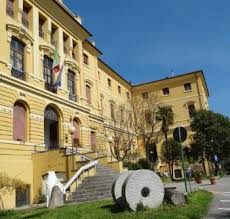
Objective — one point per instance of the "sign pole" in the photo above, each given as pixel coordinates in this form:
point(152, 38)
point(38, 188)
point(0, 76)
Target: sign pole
point(183, 163)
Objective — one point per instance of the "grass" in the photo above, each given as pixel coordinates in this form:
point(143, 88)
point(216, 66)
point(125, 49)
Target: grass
point(197, 207)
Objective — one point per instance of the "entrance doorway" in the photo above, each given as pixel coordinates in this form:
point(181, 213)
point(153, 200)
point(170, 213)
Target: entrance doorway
point(51, 126)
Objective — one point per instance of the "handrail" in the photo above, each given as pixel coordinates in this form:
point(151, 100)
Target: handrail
point(78, 173)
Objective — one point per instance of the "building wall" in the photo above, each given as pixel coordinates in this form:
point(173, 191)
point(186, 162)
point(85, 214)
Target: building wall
point(17, 158)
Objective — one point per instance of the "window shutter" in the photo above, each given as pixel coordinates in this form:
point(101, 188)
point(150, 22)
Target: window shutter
point(19, 122)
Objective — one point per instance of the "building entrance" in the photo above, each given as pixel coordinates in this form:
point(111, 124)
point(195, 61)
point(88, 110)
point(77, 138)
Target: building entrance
point(51, 125)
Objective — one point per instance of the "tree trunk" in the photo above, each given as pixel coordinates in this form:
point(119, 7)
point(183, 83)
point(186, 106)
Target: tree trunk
point(169, 161)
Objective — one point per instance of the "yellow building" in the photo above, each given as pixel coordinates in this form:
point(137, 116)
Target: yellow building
point(35, 118)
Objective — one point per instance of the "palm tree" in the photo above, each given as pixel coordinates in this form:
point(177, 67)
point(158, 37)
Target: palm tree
point(165, 116)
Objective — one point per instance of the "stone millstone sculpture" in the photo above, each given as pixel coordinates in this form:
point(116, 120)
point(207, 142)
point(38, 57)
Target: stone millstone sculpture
point(143, 187)
point(117, 189)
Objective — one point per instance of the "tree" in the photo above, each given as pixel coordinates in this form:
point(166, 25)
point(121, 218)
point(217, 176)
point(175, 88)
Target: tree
point(212, 135)
point(123, 133)
point(165, 116)
point(8, 184)
point(170, 154)
point(145, 123)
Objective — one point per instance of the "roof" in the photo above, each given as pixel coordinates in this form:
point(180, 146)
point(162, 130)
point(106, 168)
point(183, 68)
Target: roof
point(122, 78)
point(72, 15)
point(178, 76)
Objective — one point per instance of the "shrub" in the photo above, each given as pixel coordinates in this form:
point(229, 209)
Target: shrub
point(141, 164)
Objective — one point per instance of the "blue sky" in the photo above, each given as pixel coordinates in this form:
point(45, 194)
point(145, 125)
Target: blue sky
point(144, 39)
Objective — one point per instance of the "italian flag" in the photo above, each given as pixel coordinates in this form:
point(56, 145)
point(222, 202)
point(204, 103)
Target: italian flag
point(57, 70)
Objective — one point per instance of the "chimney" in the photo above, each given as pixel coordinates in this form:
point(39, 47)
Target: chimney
point(78, 19)
point(93, 43)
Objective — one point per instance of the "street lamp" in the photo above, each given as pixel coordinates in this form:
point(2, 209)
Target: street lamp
point(71, 130)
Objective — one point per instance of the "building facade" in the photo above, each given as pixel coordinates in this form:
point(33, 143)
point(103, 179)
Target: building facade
point(35, 117)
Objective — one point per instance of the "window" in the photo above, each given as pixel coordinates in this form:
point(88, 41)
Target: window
point(86, 59)
point(10, 8)
point(19, 122)
point(187, 87)
point(191, 110)
point(88, 94)
point(102, 103)
point(130, 120)
point(93, 141)
point(71, 86)
point(25, 16)
point(119, 89)
point(47, 72)
point(122, 115)
point(166, 91)
point(74, 51)
point(52, 36)
point(42, 21)
point(145, 95)
point(65, 42)
point(17, 58)
point(128, 95)
point(112, 112)
point(109, 82)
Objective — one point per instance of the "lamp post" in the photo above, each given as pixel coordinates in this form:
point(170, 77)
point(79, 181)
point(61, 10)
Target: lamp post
point(71, 130)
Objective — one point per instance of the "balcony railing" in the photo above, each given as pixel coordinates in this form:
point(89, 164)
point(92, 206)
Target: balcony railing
point(73, 97)
point(41, 33)
point(65, 50)
point(52, 40)
point(25, 20)
point(50, 88)
point(74, 56)
point(10, 10)
point(18, 74)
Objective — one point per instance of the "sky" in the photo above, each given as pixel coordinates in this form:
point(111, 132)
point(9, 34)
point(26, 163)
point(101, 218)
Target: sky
point(145, 40)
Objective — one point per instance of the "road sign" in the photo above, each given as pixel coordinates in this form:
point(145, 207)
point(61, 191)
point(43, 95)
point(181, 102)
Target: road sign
point(180, 134)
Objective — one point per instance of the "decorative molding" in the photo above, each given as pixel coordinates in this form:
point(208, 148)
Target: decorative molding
point(37, 117)
point(46, 50)
point(21, 34)
point(72, 66)
point(6, 109)
point(85, 129)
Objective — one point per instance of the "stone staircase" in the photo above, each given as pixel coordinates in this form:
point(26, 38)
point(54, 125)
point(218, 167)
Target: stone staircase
point(96, 187)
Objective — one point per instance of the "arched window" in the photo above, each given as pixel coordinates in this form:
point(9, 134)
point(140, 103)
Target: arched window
point(112, 112)
point(88, 94)
point(76, 134)
point(19, 122)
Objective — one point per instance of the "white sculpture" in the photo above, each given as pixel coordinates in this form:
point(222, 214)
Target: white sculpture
point(52, 180)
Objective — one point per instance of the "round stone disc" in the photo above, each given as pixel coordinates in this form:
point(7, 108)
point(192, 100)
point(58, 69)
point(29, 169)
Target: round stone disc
point(117, 189)
point(143, 187)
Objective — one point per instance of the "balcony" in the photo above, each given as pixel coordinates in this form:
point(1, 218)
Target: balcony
point(25, 20)
point(73, 97)
point(18, 74)
point(10, 10)
point(50, 88)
